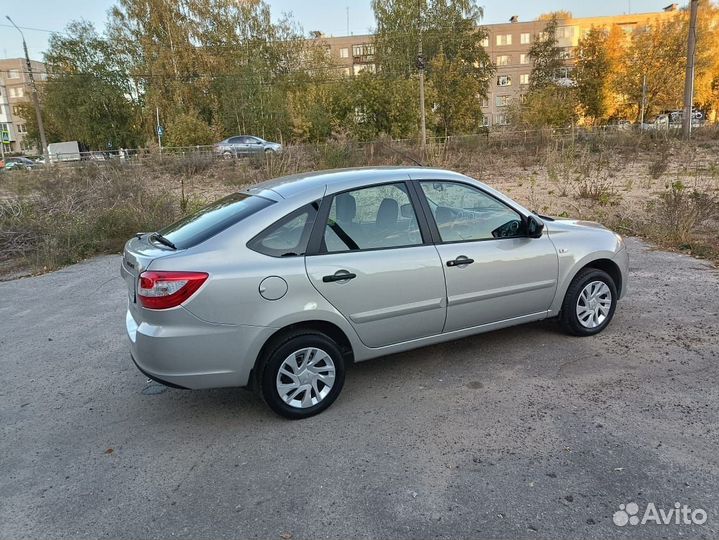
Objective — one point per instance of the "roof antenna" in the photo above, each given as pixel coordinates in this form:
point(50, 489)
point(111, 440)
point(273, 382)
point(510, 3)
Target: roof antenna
point(403, 154)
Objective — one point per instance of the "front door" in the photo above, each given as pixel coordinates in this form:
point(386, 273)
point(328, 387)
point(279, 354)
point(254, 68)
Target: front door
point(494, 271)
point(375, 268)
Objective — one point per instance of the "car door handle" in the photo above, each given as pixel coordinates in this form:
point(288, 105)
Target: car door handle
point(460, 261)
point(340, 275)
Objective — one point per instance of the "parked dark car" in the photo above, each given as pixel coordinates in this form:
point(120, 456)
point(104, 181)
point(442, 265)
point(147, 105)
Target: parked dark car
point(20, 164)
point(245, 145)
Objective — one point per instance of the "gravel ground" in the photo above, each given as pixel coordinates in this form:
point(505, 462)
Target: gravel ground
point(523, 432)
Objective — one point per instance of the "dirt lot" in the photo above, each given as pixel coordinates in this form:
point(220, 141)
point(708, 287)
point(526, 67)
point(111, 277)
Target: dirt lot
point(524, 432)
point(651, 186)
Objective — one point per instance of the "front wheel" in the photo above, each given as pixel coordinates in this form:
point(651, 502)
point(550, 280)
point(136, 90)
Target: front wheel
point(589, 303)
point(303, 375)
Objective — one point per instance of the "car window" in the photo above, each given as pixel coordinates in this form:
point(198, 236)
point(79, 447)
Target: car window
point(287, 237)
point(371, 218)
point(463, 213)
point(213, 219)
point(235, 140)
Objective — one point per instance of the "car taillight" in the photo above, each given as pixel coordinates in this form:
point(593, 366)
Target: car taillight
point(162, 290)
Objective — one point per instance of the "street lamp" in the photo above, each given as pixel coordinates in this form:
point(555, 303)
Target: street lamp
point(35, 100)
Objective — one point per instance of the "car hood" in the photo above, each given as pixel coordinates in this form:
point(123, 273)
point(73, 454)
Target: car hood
point(568, 225)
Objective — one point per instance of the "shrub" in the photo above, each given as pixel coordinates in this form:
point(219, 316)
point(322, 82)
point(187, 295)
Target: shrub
point(679, 212)
point(75, 213)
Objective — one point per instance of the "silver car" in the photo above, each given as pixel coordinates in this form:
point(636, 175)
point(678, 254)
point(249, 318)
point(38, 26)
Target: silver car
point(282, 285)
point(245, 145)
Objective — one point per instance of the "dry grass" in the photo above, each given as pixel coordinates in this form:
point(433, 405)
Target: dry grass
point(652, 186)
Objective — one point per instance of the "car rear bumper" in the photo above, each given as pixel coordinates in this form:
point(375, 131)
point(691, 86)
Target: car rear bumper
point(186, 352)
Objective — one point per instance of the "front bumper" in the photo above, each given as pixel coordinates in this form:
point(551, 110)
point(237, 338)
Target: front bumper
point(187, 352)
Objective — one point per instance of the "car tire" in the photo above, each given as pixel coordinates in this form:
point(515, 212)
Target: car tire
point(227, 155)
point(298, 383)
point(589, 303)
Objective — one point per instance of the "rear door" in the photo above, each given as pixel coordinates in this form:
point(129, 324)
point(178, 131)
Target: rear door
point(494, 271)
point(373, 264)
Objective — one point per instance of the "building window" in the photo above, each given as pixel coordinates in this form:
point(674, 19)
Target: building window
point(565, 54)
point(504, 39)
point(16, 110)
point(13, 74)
point(564, 73)
point(524, 78)
point(346, 71)
point(524, 58)
point(503, 60)
point(501, 101)
point(504, 80)
point(344, 52)
point(17, 92)
point(365, 49)
point(565, 32)
point(501, 119)
point(484, 42)
point(21, 128)
point(524, 38)
point(486, 122)
point(485, 102)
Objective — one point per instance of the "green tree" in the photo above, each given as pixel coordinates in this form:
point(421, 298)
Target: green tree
point(549, 107)
point(550, 101)
point(87, 96)
point(53, 133)
point(456, 107)
point(452, 51)
point(188, 129)
point(157, 39)
point(369, 105)
point(546, 57)
point(591, 74)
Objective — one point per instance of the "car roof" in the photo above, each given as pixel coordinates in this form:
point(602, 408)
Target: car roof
point(331, 181)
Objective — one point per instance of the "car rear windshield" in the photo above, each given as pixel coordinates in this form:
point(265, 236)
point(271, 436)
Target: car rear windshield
point(213, 219)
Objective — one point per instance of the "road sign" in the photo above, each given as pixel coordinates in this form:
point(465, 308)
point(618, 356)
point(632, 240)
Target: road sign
point(160, 131)
point(6, 136)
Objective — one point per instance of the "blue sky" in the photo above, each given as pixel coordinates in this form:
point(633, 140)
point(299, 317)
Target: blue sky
point(327, 16)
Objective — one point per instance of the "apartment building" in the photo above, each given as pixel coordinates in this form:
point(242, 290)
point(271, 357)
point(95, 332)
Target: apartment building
point(15, 90)
point(507, 45)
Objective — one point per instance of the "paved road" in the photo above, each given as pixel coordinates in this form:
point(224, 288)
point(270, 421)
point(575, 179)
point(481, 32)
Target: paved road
point(523, 432)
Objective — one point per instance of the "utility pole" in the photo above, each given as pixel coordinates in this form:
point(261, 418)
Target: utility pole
point(348, 20)
point(421, 66)
point(35, 100)
point(689, 78)
point(644, 101)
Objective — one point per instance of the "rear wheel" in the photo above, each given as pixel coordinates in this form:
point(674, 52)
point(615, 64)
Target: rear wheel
point(303, 375)
point(227, 155)
point(589, 303)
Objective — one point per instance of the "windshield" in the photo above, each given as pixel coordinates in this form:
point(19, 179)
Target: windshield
point(213, 219)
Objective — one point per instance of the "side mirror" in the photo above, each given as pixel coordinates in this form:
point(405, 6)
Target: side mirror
point(534, 227)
